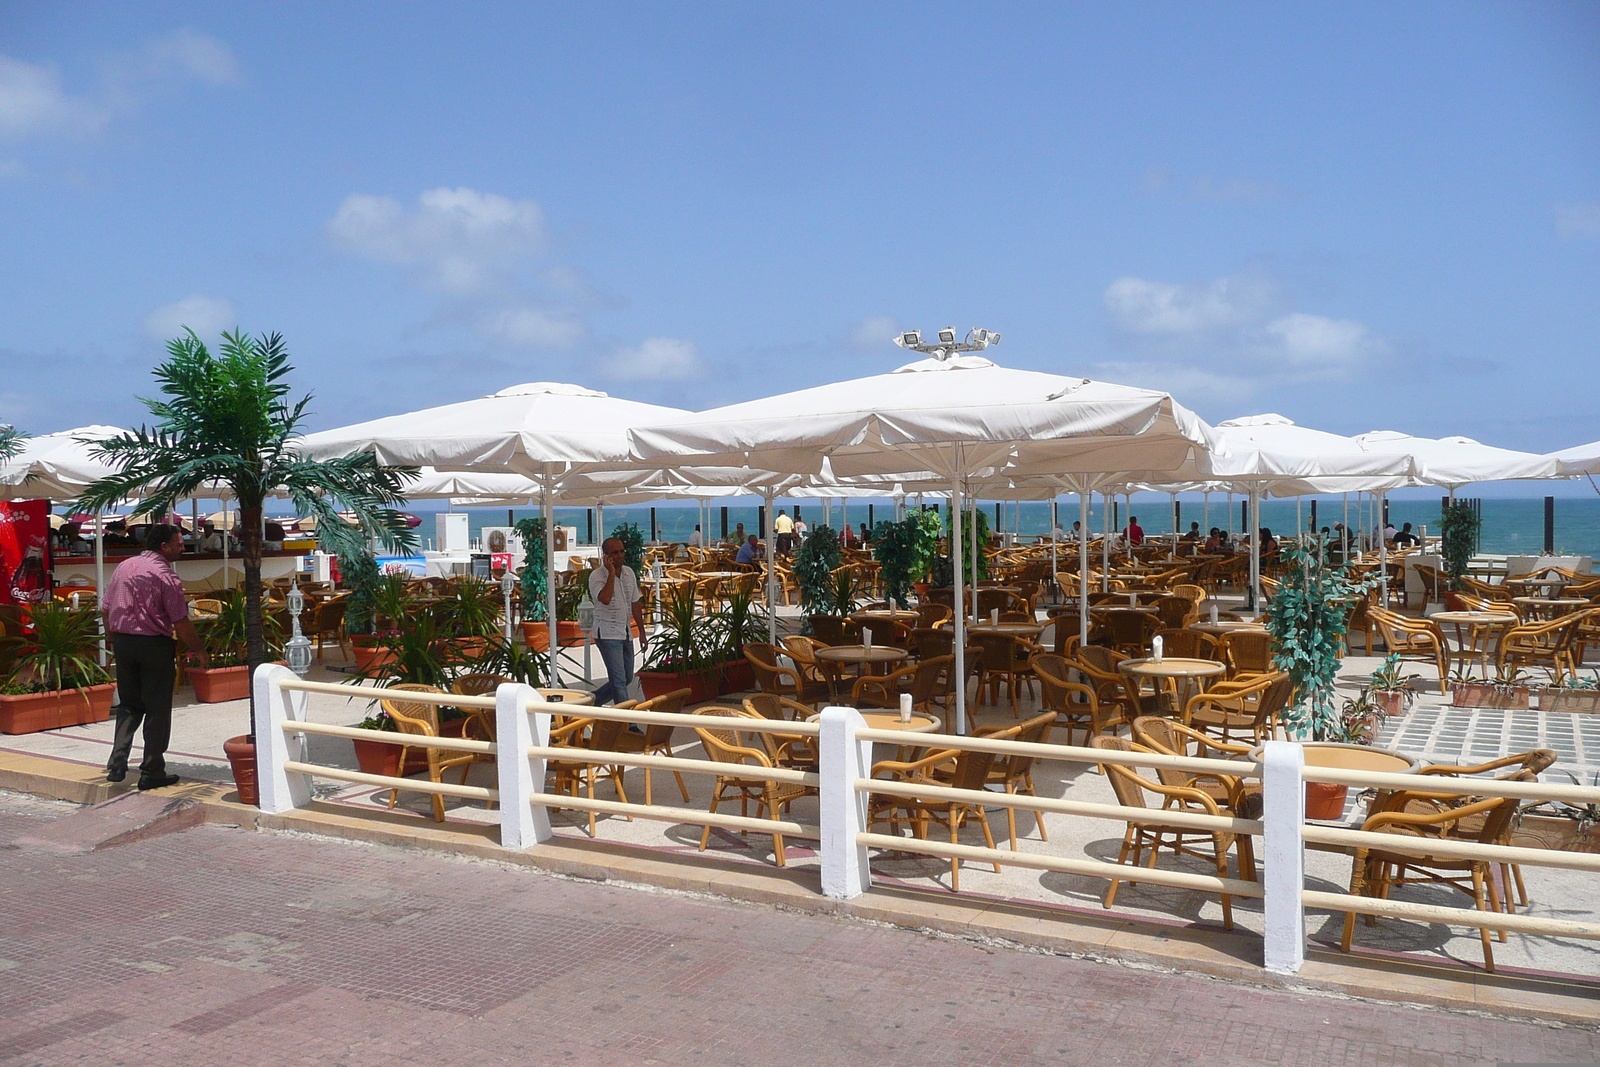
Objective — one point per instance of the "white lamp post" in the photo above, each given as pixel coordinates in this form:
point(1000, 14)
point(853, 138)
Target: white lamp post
point(297, 650)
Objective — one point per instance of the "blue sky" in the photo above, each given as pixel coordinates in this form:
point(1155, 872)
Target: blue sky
point(1360, 216)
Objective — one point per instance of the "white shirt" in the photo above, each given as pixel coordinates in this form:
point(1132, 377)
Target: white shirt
point(694, 539)
point(611, 621)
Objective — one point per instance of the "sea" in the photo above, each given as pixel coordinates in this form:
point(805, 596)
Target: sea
point(1510, 526)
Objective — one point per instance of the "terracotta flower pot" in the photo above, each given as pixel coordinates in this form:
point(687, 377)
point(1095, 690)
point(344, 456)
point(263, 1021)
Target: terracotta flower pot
point(1325, 801)
point(380, 757)
point(702, 685)
point(1392, 702)
point(241, 753)
point(371, 656)
point(1486, 695)
point(737, 676)
point(29, 713)
point(218, 684)
point(1579, 701)
point(536, 635)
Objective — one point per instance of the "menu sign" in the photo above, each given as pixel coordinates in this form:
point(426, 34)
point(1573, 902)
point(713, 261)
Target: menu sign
point(24, 551)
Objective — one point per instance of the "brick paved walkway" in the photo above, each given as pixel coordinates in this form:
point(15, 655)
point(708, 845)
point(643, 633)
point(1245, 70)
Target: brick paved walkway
point(221, 946)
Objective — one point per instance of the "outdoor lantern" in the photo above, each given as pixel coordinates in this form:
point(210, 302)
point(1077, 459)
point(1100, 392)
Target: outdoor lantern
point(508, 585)
point(297, 650)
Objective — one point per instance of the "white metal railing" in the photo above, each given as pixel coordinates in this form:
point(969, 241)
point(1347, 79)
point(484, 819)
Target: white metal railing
point(844, 786)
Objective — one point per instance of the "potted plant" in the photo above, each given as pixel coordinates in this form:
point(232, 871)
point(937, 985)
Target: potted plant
point(894, 547)
point(417, 654)
point(1573, 694)
point(469, 615)
point(814, 562)
point(741, 622)
point(1355, 724)
point(1307, 625)
point(228, 677)
point(56, 679)
point(1458, 539)
point(535, 629)
point(1391, 690)
point(1558, 824)
point(1508, 690)
point(360, 577)
point(226, 423)
point(569, 630)
point(686, 652)
point(392, 602)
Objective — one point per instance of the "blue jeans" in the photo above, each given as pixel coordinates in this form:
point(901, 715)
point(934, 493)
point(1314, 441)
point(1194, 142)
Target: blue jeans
point(617, 655)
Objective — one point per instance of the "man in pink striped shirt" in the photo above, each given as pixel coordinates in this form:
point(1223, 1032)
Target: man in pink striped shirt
point(144, 608)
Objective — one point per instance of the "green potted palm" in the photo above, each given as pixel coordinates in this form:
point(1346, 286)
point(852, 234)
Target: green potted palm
point(388, 601)
point(224, 424)
point(742, 621)
point(228, 677)
point(469, 615)
point(687, 651)
point(56, 679)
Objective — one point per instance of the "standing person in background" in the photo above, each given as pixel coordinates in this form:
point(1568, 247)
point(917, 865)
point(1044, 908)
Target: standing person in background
point(783, 531)
point(1134, 533)
point(694, 538)
point(614, 588)
point(144, 609)
point(801, 530)
point(866, 535)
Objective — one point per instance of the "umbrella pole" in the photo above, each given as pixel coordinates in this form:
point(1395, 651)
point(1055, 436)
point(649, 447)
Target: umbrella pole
point(1344, 538)
point(1055, 524)
point(549, 513)
point(1205, 515)
point(1255, 550)
point(1105, 542)
point(772, 575)
point(960, 605)
point(1383, 548)
point(1083, 567)
point(100, 578)
point(974, 535)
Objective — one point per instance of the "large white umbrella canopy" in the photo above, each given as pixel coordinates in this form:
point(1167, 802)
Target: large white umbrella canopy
point(948, 417)
point(1456, 461)
point(1584, 459)
point(55, 466)
point(534, 429)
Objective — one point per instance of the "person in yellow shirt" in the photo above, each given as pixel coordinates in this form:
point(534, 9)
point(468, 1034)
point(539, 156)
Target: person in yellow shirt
point(783, 530)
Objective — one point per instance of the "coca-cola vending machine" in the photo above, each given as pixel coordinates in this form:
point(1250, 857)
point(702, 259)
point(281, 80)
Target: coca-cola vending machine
point(24, 551)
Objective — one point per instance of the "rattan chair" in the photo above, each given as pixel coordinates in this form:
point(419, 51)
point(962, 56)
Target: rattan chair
point(725, 745)
point(773, 677)
point(656, 739)
point(1074, 704)
point(1004, 658)
point(1247, 653)
point(1248, 707)
point(1013, 772)
point(1528, 766)
point(962, 769)
point(926, 682)
point(1414, 639)
point(422, 719)
point(1551, 645)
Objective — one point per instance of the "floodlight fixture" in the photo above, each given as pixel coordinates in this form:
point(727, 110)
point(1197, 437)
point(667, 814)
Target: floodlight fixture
point(947, 336)
point(910, 339)
point(948, 346)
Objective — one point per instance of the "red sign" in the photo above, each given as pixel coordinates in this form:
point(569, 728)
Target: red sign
point(24, 551)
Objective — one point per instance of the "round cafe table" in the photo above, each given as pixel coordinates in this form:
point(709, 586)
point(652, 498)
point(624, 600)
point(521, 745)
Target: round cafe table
point(1106, 609)
point(861, 657)
point(1543, 609)
point(1007, 629)
point(894, 615)
point(1478, 633)
point(1178, 675)
point(890, 720)
point(580, 697)
point(1224, 627)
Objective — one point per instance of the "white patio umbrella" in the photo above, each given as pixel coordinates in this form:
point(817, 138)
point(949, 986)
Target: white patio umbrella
point(1452, 462)
point(949, 417)
point(55, 466)
point(1584, 459)
point(541, 430)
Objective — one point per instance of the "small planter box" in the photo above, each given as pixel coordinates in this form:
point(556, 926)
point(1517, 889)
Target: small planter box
point(29, 713)
point(1484, 695)
point(702, 685)
point(219, 684)
point(737, 676)
point(1548, 831)
point(367, 654)
point(1392, 702)
point(1578, 701)
point(536, 635)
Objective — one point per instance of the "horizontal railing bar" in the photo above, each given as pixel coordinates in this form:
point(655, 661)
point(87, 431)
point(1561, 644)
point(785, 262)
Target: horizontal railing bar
point(661, 813)
point(670, 718)
point(1069, 753)
point(373, 692)
point(1449, 785)
point(469, 792)
point(1208, 883)
point(1488, 920)
point(389, 737)
point(1413, 845)
point(676, 763)
point(1115, 812)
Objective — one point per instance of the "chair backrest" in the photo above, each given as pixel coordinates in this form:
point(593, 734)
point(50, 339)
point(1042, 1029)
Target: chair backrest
point(1186, 644)
point(1128, 629)
point(832, 629)
point(1173, 611)
point(1530, 762)
point(972, 768)
point(931, 642)
point(1125, 782)
point(1195, 594)
point(413, 716)
point(723, 744)
point(999, 651)
point(477, 685)
point(934, 676)
point(669, 704)
point(1249, 651)
point(992, 600)
point(1100, 662)
point(931, 615)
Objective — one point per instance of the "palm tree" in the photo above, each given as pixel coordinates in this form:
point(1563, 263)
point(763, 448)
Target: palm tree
point(11, 442)
point(224, 425)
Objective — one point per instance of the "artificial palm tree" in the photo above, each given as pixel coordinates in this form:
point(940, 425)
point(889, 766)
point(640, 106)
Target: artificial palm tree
point(224, 425)
point(11, 442)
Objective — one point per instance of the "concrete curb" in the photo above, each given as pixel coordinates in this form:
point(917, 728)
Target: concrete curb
point(1198, 950)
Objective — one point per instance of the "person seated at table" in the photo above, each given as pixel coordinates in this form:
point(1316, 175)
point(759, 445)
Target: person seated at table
point(847, 536)
point(749, 552)
point(1213, 541)
point(694, 538)
point(866, 535)
point(1193, 534)
point(738, 534)
point(272, 536)
point(1134, 533)
point(1405, 537)
point(1268, 542)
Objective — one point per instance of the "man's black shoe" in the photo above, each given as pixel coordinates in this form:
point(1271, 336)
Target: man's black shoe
point(158, 783)
point(116, 774)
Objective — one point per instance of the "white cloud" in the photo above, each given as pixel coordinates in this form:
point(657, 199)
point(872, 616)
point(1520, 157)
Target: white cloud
point(464, 241)
point(535, 328)
point(33, 100)
point(1313, 341)
point(207, 316)
point(1141, 306)
point(660, 359)
point(1578, 220)
point(874, 332)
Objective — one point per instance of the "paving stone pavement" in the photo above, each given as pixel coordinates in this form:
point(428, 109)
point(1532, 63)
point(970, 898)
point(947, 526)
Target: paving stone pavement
point(221, 945)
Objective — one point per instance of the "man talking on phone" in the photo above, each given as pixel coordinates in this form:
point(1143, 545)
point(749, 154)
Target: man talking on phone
point(614, 588)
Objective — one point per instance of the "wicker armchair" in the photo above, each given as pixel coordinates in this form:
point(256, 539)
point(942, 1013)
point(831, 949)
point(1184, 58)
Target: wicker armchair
point(656, 740)
point(773, 677)
point(422, 719)
point(926, 681)
point(1074, 704)
point(1003, 657)
point(1528, 765)
point(1552, 645)
point(1414, 639)
point(1236, 794)
point(725, 745)
point(1014, 772)
point(820, 675)
point(960, 769)
point(1246, 708)
point(1247, 653)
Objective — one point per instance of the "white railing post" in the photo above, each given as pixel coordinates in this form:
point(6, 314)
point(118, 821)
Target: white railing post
point(842, 759)
point(1283, 802)
point(280, 790)
point(516, 729)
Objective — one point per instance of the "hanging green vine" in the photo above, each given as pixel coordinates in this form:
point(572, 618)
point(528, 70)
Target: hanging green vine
point(1308, 621)
point(1458, 539)
point(533, 568)
point(814, 563)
